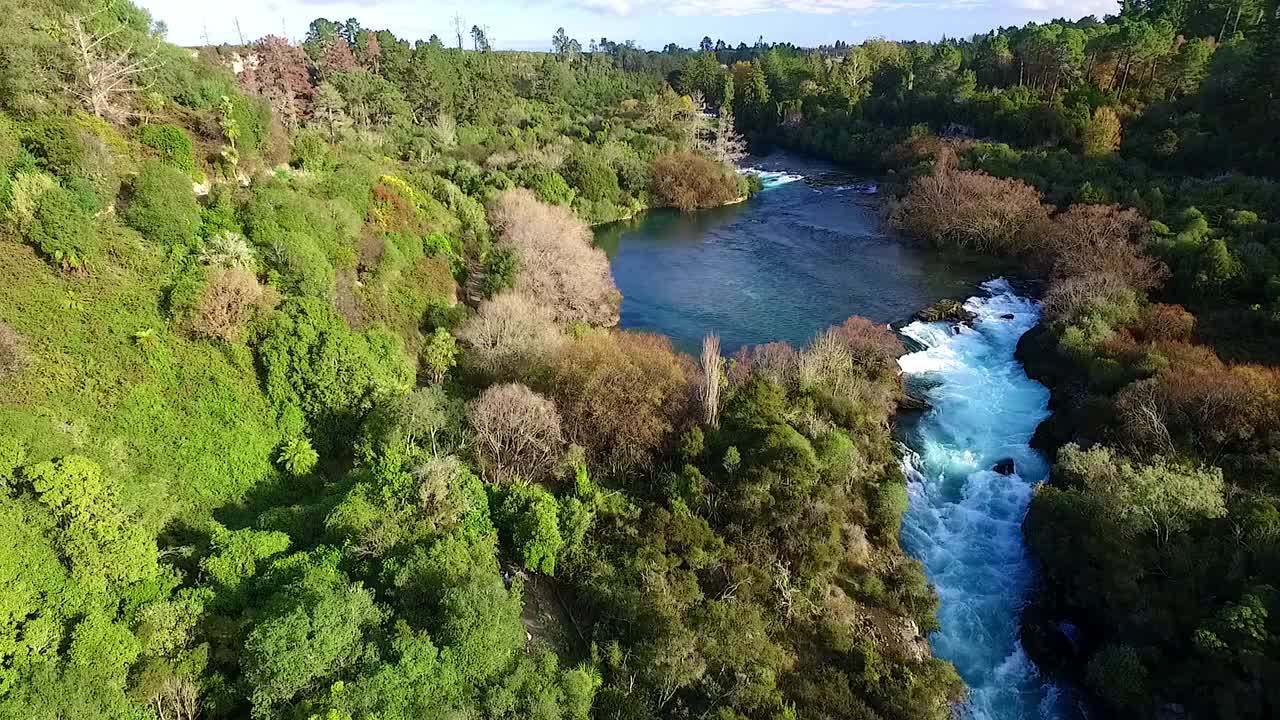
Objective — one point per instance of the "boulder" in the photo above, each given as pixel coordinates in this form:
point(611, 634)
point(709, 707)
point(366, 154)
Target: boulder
point(912, 401)
point(1005, 467)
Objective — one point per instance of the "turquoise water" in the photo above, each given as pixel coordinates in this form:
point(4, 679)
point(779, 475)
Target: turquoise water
point(964, 521)
point(808, 252)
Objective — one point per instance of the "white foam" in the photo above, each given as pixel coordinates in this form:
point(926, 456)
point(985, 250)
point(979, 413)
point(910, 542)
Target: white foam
point(771, 178)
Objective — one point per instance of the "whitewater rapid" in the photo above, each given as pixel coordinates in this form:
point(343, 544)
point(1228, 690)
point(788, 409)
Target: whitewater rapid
point(964, 520)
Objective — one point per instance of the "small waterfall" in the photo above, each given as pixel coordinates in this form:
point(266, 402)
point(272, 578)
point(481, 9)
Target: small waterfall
point(964, 520)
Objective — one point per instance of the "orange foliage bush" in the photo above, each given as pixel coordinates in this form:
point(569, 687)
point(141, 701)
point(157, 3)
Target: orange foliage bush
point(621, 394)
point(689, 181)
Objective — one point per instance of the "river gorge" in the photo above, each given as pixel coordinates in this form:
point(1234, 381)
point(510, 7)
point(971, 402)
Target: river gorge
point(806, 253)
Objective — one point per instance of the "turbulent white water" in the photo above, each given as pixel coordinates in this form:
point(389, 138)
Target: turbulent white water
point(771, 178)
point(964, 520)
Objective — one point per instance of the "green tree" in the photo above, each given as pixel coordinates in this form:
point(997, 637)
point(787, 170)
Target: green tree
point(162, 206)
point(1160, 497)
point(440, 354)
point(311, 629)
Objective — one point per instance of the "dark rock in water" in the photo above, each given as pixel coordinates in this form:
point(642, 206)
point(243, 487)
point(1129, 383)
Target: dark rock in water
point(1172, 711)
point(951, 310)
point(912, 401)
point(1072, 634)
point(1005, 467)
point(1007, 316)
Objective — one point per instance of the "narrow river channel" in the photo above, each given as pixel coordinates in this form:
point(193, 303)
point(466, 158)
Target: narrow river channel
point(964, 521)
point(810, 251)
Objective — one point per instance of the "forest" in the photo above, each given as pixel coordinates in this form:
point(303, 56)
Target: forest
point(312, 403)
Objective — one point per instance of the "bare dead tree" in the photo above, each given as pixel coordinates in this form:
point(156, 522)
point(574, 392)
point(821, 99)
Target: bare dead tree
point(722, 141)
point(176, 700)
point(104, 74)
point(711, 362)
point(560, 266)
point(517, 432)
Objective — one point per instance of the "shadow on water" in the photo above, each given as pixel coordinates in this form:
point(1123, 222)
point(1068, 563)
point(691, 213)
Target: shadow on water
point(783, 265)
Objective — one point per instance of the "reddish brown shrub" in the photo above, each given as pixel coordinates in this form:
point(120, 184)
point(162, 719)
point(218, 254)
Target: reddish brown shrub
point(971, 210)
point(369, 250)
point(561, 266)
point(1166, 323)
point(517, 432)
point(872, 345)
point(1121, 345)
point(1100, 240)
point(688, 181)
point(392, 212)
point(230, 300)
point(12, 355)
point(346, 298)
point(621, 394)
point(775, 360)
point(433, 275)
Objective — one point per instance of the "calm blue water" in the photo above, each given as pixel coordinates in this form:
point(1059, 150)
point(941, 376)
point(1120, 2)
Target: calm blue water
point(807, 253)
point(793, 260)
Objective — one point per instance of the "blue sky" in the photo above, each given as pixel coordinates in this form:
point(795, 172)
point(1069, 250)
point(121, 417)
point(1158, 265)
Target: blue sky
point(529, 24)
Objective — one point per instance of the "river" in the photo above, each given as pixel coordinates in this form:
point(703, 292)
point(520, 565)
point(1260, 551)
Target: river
point(808, 252)
point(796, 258)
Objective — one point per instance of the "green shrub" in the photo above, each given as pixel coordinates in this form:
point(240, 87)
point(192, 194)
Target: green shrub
point(302, 268)
point(313, 362)
point(633, 174)
point(252, 117)
point(85, 163)
point(891, 502)
point(309, 151)
point(23, 198)
point(593, 176)
point(529, 518)
point(62, 231)
point(172, 144)
point(163, 206)
point(502, 265)
point(59, 147)
point(549, 185)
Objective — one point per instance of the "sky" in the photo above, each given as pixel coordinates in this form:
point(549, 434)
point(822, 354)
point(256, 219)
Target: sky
point(529, 24)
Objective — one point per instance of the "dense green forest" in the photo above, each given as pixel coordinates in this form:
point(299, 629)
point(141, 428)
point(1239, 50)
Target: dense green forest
point(311, 405)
